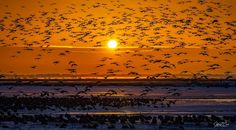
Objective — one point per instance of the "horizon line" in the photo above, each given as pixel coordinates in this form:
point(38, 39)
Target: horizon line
point(104, 47)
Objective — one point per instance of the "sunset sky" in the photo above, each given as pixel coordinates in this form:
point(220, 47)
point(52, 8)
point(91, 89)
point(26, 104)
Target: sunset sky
point(162, 38)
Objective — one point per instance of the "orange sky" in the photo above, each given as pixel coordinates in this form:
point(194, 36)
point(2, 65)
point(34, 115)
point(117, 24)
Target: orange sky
point(80, 29)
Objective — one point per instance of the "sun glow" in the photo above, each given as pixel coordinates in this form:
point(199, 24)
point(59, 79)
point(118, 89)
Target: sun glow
point(112, 44)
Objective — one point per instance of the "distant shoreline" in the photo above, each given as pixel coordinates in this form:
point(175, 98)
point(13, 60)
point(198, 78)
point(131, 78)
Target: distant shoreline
point(123, 82)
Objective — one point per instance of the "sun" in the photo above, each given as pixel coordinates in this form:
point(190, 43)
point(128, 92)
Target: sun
point(112, 44)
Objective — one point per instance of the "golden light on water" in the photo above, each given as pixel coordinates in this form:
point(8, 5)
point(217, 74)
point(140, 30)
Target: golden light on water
point(112, 44)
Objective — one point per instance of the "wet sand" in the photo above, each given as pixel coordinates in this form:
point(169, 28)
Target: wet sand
point(42, 99)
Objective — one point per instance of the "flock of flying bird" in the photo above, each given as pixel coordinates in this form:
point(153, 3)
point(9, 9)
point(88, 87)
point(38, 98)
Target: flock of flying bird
point(142, 25)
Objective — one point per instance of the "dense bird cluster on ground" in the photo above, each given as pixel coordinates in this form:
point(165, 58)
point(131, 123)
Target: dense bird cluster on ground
point(111, 121)
point(15, 104)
